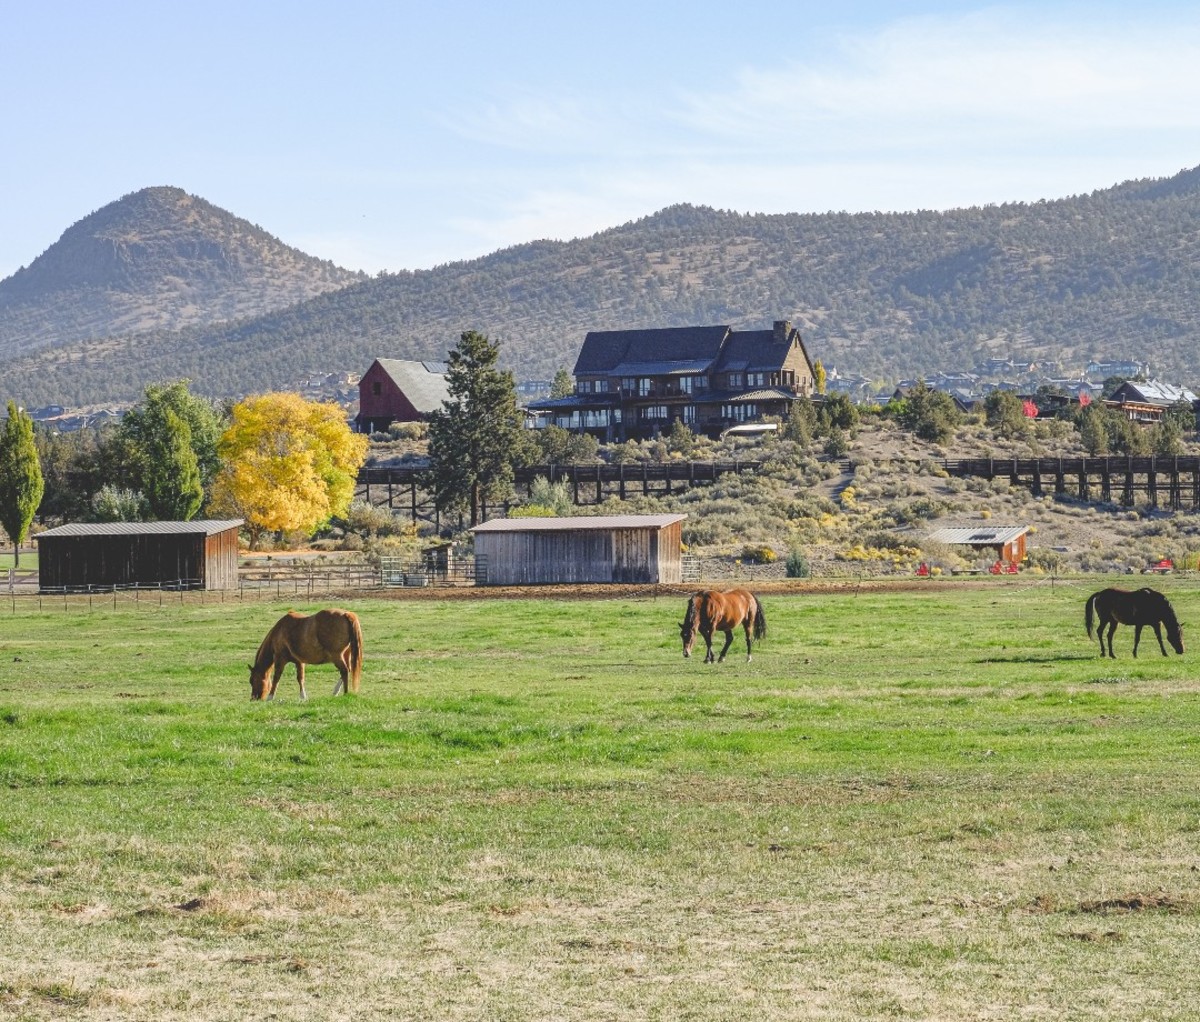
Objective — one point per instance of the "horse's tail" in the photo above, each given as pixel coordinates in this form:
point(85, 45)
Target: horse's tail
point(760, 620)
point(1087, 613)
point(356, 651)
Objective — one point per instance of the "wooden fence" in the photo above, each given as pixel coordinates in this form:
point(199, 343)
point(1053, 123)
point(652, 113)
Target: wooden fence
point(1172, 482)
point(404, 490)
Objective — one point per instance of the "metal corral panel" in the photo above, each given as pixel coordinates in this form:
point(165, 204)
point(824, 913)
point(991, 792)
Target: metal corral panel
point(540, 551)
point(202, 555)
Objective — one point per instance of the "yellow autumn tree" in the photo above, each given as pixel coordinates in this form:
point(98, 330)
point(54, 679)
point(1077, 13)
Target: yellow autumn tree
point(287, 464)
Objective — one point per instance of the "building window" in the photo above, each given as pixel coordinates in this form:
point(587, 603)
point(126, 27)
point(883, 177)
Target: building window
point(740, 412)
point(644, 386)
point(628, 384)
point(756, 379)
point(657, 413)
point(376, 388)
point(688, 414)
point(686, 383)
point(735, 380)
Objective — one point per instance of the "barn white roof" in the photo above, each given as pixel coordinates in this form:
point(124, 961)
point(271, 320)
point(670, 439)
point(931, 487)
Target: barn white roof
point(576, 523)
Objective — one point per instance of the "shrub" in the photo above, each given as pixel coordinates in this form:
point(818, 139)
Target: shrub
point(114, 504)
point(760, 554)
point(797, 565)
point(837, 444)
point(408, 430)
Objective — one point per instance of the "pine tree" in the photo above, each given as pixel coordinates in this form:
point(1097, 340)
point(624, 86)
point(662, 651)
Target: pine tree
point(478, 435)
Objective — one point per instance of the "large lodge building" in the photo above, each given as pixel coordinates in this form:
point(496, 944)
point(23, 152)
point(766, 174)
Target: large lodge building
point(632, 384)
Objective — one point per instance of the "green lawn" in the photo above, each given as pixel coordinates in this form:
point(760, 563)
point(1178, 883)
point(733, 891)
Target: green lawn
point(29, 560)
point(930, 805)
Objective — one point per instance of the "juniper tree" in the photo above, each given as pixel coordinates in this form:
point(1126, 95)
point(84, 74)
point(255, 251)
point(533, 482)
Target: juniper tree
point(477, 436)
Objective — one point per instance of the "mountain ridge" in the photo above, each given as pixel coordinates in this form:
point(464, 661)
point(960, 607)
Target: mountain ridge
point(1099, 275)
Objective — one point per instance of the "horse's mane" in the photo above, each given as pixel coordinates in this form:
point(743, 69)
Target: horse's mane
point(690, 619)
point(265, 656)
point(1167, 611)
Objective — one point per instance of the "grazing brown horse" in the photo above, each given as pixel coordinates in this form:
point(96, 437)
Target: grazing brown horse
point(712, 611)
point(326, 637)
point(1140, 608)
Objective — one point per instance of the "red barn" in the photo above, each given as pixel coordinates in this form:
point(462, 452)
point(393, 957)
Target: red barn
point(395, 390)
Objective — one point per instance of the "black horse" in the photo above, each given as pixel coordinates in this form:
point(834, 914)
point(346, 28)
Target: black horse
point(1144, 607)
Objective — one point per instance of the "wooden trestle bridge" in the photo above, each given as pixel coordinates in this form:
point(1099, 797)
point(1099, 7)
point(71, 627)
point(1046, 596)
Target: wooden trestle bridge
point(404, 490)
point(1171, 482)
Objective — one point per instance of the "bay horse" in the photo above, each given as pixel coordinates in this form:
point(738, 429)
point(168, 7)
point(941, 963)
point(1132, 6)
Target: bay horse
point(1139, 608)
point(326, 637)
point(711, 611)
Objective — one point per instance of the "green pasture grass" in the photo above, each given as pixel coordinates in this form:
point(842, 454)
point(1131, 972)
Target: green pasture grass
point(939, 804)
point(29, 560)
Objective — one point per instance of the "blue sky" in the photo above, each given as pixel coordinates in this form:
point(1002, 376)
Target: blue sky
point(403, 135)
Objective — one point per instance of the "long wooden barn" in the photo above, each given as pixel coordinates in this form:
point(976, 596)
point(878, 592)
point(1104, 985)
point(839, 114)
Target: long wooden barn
point(605, 548)
point(104, 555)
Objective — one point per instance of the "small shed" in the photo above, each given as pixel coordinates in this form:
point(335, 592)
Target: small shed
point(1006, 541)
point(604, 548)
point(107, 555)
point(398, 390)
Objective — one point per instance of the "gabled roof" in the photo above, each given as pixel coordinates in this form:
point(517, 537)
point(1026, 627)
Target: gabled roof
point(423, 383)
point(1154, 393)
point(754, 351)
point(604, 350)
point(587, 522)
point(203, 527)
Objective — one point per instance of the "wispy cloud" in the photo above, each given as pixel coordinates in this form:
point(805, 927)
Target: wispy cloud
point(986, 73)
point(989, 106)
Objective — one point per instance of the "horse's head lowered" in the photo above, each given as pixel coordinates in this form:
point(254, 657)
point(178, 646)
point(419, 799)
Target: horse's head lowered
point(687, 628)
point(1175, 636)
point(259, 689)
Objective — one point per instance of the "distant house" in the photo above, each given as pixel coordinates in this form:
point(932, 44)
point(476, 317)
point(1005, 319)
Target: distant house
point(964, 399)
point(1007, 542)
point(395, 390)
point(632, 384)
point(1102, 370)
point(1148, 400)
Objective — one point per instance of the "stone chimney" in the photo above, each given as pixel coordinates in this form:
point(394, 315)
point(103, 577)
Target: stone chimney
point(783, 330)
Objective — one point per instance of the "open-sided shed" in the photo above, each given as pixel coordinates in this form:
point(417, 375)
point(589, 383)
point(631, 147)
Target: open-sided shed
point(101, 555)
point(605, 548)
point(1006, 541)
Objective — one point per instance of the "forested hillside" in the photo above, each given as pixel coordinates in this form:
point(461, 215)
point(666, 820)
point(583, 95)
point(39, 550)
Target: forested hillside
point(1106, 275)
point(158, 259)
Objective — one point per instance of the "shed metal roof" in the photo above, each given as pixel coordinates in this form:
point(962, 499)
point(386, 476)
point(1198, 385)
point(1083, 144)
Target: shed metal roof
point(982, 534)
point(207, 527)
point(581, 522)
